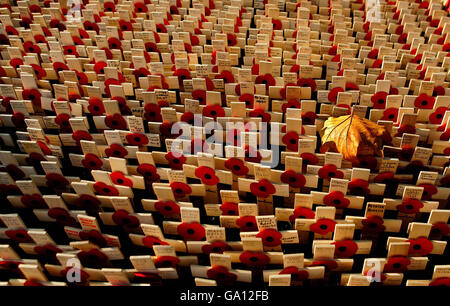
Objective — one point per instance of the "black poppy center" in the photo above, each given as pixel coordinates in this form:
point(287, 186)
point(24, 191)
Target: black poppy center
point(92, 257)
point(270, 239)
point(292, 141)
point(380, 101)
point(216, 249)
point(331, 174)
point(397, 265)
point(106, 190)
point(190, 231)
point(336, 201)
point(20, 235)
point(409, 207)
point(236, 167)
point(253, 259)
point(231, 212)
point(115, 122)
point(126, 220)
point(436, 231)
point(372, 225)
point(249, 224)
point(213, 113)
point(120, 181)
point(323, 227)
point(391, 116)
point(424, 103)
point(208, 176)
point(221, 275)
point(292, 179)
point(176, 161)
point(417, 247)
point(342, 248)
point(262, 188)
point(439, 116)
point(179, 191)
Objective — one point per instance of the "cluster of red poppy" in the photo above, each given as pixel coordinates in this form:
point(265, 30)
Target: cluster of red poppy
point(90, 111)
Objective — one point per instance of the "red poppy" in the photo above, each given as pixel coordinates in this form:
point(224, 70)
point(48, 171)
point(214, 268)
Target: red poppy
point(116, 121)
point(323, 226)
point(116, 150)
point(167, 208)
point(373, 54)
point(438, 115)
point(152, 112)
point(262, 189)
point(252, 155)
point(336, 199)
point(180, 190)
point(333, 94)
point(137, 139)
point(345, 248)
point(260, 113)
point(105, 189)
point(175, 161)
point(217, 247)
point(96, 106)
point(290, 139)
point(410, 206)
point(93, 258)
point(213, 111)
point(301, 213)
point(428, 191)
point(405, 128)
point(15, 172)
point(329, 264)
point(19, 235)
point(442, 281)
point(379, 100)
point(92, 162)
point(182, 74)
point(188, 117)
point(247, 223)
point(302, 82)
point(290, 104)
point(56, 180)
point(270, 237)
point(445, 136)
point(236, 166)
point(91, 26)
point(396, 264)
point(390, 114)
point(33, 201)
point(192, 231)
point(266, 79)
point(150, 241)
point(16, 63)
point(148, 171)
point(253, 259)
point(309, 118)
point(295, 180)
point(114, 43)
point(70, 50)
point(81, 135)
point(31, 48)
point(359, 187)
point(123, 218)
point(62, 216)
point(330, 171)
point(248, 99)
point(231, 39)
point(99, 67)
point(89, 203)
point(207, 175)
point(420, 246)
point(11, 31)
point(424, 101)
point(48, 251)
point(296, 273)
point(438, 91)
point(63, 121)
point(32, 94)
point(55, 23)
point(119, 178)
point(373, 224)
point(226, 75)
point(166, 261)
point(221, 275)
point(406, 153)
